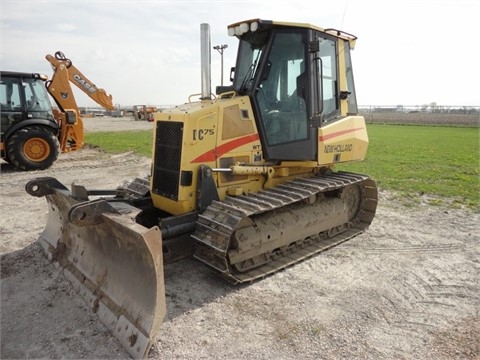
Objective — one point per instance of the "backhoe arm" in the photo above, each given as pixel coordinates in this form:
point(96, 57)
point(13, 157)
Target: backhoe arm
point(100, 96)
point(71, 124)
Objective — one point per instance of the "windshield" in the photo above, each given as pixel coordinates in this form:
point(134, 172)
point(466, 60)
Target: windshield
point(250, 51)
point(36, 96)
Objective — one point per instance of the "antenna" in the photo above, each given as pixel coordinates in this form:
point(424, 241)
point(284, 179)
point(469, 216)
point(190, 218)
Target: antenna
point(344, 12)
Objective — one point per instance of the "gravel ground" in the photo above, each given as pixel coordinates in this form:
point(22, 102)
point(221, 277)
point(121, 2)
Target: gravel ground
point(406, 289)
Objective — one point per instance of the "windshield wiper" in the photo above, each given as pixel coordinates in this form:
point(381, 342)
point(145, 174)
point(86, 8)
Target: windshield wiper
point(247, 80)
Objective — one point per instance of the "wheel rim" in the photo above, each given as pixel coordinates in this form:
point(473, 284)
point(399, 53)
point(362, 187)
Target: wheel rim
point(36, 149)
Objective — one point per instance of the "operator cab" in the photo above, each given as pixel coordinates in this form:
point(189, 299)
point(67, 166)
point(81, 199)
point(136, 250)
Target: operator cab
point(23, 100)
point(291, 74)
point(23, 96)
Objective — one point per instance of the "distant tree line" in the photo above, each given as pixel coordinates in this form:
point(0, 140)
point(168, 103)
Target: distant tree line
point(425, 108)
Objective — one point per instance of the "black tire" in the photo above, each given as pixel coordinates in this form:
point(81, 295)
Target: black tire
point(6, 158)
point(33, 148)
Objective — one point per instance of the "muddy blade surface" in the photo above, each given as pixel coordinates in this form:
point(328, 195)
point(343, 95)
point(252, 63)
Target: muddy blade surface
point(115, 264)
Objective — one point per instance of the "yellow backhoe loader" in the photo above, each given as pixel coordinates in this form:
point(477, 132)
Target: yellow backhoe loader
point(242, 180)
point(33, 133)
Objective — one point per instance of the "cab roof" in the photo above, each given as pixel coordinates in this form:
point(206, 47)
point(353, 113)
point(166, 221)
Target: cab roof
point(255, 24)
point(24, 75)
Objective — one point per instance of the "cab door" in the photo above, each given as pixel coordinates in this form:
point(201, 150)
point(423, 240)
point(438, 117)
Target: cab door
point(282, 98)
point(12, 110)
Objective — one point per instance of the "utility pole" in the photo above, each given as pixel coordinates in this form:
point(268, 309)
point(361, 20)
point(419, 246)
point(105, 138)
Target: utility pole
point(220, 49)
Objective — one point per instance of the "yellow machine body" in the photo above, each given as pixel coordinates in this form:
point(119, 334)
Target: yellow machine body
point(221, 133)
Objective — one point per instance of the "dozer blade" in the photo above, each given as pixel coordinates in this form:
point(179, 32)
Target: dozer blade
point(115, 264)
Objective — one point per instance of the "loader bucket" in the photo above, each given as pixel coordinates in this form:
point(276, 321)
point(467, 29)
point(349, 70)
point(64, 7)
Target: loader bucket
point(115, 264)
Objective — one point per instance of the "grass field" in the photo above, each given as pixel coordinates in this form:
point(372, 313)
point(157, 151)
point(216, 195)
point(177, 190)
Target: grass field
point(442, 161)
point(412, 160)
point(122, 141)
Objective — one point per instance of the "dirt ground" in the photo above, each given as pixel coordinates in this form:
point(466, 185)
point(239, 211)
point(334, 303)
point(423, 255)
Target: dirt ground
point(408, 288)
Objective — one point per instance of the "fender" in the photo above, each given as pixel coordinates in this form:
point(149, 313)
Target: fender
point(44, 122)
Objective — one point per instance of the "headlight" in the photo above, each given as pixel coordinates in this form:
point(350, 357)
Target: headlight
point(242, 28)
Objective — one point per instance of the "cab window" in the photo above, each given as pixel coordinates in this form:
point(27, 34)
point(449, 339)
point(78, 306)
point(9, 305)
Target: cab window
point(10, 95)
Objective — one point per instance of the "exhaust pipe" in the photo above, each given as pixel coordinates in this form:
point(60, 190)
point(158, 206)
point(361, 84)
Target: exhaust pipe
point(205, 61)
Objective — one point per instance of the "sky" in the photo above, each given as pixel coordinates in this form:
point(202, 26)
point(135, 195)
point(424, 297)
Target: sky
point(408, 52)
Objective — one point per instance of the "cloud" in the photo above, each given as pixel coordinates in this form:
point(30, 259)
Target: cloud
point(148, 51)
point(66, 27)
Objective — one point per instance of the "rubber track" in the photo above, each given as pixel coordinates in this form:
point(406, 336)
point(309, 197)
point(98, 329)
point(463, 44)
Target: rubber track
point(220, 220)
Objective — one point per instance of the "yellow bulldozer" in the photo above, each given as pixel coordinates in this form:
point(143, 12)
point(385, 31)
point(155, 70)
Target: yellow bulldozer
point(241, 180)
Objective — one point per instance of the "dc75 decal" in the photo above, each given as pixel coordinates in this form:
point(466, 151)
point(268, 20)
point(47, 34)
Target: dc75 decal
point(199, 134)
